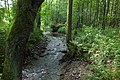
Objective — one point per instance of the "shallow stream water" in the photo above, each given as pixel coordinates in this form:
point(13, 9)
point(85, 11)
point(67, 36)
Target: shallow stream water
point(47, 67)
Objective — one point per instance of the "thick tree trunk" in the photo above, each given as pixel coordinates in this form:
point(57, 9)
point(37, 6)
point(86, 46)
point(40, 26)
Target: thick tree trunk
point(18, 38)
point(69, 30)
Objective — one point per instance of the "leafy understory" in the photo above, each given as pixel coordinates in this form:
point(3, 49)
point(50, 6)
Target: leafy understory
point(102, 49)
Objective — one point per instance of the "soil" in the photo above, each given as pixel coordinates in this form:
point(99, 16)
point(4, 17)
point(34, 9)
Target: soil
point(76, 70)
point(37, 51)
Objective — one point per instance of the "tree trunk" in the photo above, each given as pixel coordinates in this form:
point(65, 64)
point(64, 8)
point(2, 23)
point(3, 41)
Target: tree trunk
point(78, 15)
point(82, 15)
point(18, 38)
point(116, 13)
point(104, 14)
point(91, 1)
point(112, 8)
point(87, 4)
point(69, 30)
point(97, 13)
point(108, 7)
point(107, 11)
point(39, 18)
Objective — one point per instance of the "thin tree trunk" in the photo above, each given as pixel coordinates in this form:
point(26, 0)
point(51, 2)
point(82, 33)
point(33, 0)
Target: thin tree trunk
point(116, 13)
point(39, 18)
point(104, 14)
point(18, 38)
point(87, 4)
point(112, 8)
point(82, 11)
point(69, 30)
point(97, 13)
point(78, 14)
point(108, 7)
point(90, 12)
point(107, 11)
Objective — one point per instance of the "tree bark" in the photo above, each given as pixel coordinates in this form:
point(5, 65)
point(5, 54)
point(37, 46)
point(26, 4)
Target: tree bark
point(97, 13)
point(38, 18)
point(82, 13)
point(18, 38)
point(91, 4)
point(69, 30)
point(108, 7)
point(78, 15)
point(104, 14)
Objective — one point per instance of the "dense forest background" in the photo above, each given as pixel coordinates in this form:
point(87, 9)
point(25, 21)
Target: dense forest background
point(94, 29)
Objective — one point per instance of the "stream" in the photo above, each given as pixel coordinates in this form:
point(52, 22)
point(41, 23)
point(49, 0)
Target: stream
point(47, 67)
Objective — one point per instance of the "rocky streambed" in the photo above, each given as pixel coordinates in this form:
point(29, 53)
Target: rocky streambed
point(47, 67)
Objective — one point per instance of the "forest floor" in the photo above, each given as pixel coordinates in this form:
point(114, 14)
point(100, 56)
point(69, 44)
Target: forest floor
point(45, 63)
point(75, 71)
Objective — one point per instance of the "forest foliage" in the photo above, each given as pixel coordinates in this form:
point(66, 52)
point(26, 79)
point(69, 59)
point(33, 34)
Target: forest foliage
point(102, 49)
point(95, 31)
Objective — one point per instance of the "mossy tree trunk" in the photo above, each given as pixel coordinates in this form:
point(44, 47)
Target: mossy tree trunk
point(18, 38)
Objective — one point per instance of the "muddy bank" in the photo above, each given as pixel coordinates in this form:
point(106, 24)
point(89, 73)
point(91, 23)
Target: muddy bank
point(35, 50)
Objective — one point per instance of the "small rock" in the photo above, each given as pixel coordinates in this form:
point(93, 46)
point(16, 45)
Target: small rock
point(74, 72)
point(43, 72)
point(72, 75)
point(36, 57)
point(58, 44)
point(64, 51)
point(61, 72)
point(24, 72)
point(77, 77)
point(43, 54)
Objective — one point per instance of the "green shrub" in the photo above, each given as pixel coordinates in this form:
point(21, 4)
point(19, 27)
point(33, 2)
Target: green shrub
point(102, 48)
point(36, 35)
point(62, 30)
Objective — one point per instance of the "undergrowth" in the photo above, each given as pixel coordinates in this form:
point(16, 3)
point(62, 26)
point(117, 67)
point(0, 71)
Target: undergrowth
point(62, 29)
point(2, 47)
point(35, 37)
point(102, 48)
